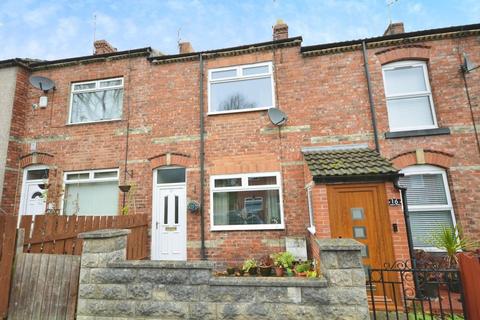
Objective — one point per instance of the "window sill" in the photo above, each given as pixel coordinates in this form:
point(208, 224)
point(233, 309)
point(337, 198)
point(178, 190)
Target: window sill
point(252, 227)
point(237, 111)
point(417, 133)
point(94, 122)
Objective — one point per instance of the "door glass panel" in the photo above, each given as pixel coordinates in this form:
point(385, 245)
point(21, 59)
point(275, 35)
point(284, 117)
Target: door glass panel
point(37, 174)
point(357, 213)
point(165, 210)
point(176, 209)
point(175, 175)
point(364, 251)
point(359, 232)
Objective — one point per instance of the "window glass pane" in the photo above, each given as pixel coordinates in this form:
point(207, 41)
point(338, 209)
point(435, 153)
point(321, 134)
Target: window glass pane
point(222, 183)
point(357, 213)
point(359, 232)
point(97, 105)
point(83, 86)
point(241, 94)
point(426, 223)
point(246, 207)
point(409, 112)
point(110, 83)
point(257, 181)
point(425, 189)
point(176, 209)
point(176, 175)
point(92, 199)
point(405, 80)
point(104, 175)
point(165, 210)
point(255, 70)
point(78, 176)
point(224, 74)
point(39, 174)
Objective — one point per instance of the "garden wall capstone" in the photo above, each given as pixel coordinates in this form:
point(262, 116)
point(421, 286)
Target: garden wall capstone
point(113, 288)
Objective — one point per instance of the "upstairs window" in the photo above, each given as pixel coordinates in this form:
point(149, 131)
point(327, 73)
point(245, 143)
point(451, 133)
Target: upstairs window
point(242, 88)
point(91, 193)
point(409, 97)
point(429, 202)
point(96, 101)
point(247, 202)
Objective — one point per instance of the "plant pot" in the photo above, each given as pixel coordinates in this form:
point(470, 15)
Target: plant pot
point(252, 271)
point(241, 272)
point(430, 290)
point(300, 274)
point(230, 271)
point(125, 188)
point(266, 271)
point(279, 271)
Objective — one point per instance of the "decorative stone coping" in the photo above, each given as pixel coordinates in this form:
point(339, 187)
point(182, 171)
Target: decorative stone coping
point(152, 264)
point(268, 282)
point(104, 233)
point(339, 245)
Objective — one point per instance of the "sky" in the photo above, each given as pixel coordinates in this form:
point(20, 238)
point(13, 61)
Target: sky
point(54, 29)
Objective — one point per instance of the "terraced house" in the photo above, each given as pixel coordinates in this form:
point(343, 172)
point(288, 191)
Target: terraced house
point(189, 140)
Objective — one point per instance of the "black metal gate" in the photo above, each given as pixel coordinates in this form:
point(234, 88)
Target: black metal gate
point(402, 292)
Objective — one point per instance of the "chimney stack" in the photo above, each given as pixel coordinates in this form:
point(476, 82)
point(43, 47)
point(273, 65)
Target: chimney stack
point(185, 47)
point(102, 46)
point(394, 28)
point(280, 30)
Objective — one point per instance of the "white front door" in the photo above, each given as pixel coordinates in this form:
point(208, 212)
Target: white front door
point(33, 199)
point(169, 223)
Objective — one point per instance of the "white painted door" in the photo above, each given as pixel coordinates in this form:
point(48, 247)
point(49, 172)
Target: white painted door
point(34, 199)
point(169, 236)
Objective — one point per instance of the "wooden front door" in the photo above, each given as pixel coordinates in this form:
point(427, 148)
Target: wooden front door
point(360, 211)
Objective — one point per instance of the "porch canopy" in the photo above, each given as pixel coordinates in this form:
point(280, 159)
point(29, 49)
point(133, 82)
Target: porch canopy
point(351, 163)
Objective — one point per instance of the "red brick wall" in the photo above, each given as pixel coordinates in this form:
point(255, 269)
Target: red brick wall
point(325, 98)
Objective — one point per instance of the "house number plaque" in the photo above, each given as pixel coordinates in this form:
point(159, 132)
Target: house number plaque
point(394, 202)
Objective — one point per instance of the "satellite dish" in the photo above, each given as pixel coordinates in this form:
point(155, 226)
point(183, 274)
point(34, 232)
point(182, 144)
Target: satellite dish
point(276, 116)
point(42, 83)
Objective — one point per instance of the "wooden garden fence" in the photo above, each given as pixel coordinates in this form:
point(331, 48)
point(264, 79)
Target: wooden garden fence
point(8, 226)
point(470, 274)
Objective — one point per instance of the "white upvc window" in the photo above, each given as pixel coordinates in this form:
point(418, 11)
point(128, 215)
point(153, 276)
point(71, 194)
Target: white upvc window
point(96, 101)
point(409, 96)
point(429, 202)
point(91, 193)
point(311, 228)
point(241, 88)
point(250, 201)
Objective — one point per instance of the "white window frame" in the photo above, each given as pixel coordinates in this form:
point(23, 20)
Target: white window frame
point(91, 179)
point(425, 170)
point(240, 77)
point(417, 94)
point(244, 187)
point(97, 88)
point(309, 190)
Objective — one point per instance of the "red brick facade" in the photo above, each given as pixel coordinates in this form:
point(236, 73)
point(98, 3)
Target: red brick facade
point(323, 92)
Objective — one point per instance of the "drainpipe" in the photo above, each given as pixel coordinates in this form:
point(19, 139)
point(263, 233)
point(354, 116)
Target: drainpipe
point(203, 253)
point(370, 97)
point(408, 227)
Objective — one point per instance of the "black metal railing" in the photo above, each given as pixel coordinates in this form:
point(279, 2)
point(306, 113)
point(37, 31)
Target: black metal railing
point(399, 291)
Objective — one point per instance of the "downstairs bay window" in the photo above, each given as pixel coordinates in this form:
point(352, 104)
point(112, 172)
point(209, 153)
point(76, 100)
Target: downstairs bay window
point(246, 202)
point(91, 193)
point(429, 202)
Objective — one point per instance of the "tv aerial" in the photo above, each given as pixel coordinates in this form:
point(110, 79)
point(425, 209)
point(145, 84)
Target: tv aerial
point(43, 84)
point(277, 117)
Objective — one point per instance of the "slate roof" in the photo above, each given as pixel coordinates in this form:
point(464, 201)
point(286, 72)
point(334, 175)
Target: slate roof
point(348, 162)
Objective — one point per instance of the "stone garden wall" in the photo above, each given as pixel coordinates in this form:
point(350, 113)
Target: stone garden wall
point(113, 288)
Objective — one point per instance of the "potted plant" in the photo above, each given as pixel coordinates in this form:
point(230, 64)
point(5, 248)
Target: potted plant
point(282, 262)
point(250, 266)
point(302, 268)
point(266, 266)
point(452, 241)
point(230, 270)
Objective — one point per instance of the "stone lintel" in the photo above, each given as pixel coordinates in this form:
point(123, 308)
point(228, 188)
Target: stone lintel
point(104, 233)
point(339, 245)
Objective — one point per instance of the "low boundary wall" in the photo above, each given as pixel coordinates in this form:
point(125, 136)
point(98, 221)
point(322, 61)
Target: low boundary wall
point(114, 288)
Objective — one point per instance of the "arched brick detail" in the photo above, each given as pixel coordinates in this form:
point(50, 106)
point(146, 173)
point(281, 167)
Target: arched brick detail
point(170, 159)
point(36, 158)
point(432, 157)
point(407, 52)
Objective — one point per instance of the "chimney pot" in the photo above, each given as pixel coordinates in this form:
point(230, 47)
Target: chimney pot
point(185, 47)
point(102, 46)
point(394, 28)
point(280, 30)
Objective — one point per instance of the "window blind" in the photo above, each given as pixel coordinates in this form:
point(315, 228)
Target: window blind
point(425, 189)
point(427, 223)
